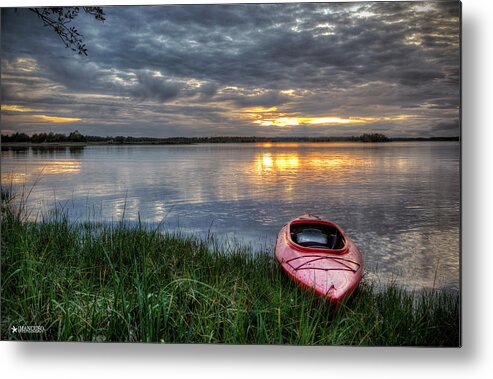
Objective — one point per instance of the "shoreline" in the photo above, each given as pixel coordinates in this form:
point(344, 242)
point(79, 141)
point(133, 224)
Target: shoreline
point(104, 143)
point(120, 283)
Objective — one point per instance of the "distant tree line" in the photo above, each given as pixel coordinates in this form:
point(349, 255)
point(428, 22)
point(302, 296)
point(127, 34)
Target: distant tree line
point(120, 140)
point(45, 137)
point(374, 137)
point(396, 139)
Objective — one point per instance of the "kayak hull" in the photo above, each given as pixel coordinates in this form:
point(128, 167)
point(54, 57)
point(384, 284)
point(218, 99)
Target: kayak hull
point(330, 269)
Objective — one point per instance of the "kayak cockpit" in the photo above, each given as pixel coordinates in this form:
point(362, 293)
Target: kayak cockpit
point(316, 235)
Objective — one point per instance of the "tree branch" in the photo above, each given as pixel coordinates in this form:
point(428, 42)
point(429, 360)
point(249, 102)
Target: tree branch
point(58, 18)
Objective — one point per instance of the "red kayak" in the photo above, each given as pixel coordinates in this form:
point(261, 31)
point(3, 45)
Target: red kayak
point(319, 256)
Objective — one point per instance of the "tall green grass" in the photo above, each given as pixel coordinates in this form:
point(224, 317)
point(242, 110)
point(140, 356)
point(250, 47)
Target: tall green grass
point(88, 282)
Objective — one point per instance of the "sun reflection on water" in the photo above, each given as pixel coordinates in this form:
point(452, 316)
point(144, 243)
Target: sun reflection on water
point(32, 172)
point(308, 164)
point(267, 162)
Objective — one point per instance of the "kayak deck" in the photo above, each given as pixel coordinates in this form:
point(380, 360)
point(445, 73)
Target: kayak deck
point(309, 262)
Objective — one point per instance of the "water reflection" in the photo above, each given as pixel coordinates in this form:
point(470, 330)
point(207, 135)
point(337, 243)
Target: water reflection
point(399, 202)
point(12, 150)
point(49, 150)
point(61, 167)
point(32, 163)
point(76, 150)
point(308, 172)
point(266, 162)
point(41, 150)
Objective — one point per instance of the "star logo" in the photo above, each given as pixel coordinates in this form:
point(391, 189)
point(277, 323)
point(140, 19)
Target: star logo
point(14, 329)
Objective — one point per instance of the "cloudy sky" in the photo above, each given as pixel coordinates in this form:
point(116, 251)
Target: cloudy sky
point(325, 69)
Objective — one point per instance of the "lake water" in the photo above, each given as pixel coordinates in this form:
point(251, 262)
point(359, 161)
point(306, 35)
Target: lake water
point(399, 202)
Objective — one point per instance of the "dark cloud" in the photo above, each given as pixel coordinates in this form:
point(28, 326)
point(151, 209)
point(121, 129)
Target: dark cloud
point(452, 126)
point(267, 99)
point(208, 90)
point(152, 87)
point(194, 67)
point(416, 77)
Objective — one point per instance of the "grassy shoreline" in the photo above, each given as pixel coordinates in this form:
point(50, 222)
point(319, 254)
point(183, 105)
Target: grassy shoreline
point(87, 282)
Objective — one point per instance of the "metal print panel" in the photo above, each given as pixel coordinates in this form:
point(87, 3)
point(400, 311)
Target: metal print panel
point(234, 174)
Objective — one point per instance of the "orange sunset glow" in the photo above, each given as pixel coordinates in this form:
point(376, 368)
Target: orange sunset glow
point(56, 119)
point(17, 108)
point(271, 117)
point(38, 117)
